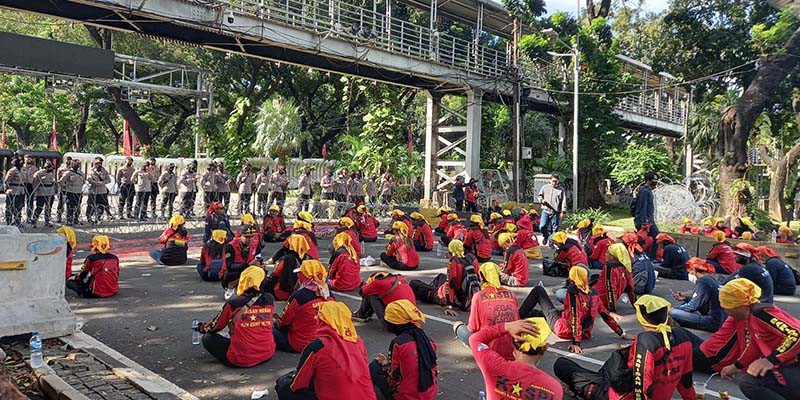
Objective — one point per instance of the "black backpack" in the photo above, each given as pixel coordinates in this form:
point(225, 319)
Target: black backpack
point(470, 283)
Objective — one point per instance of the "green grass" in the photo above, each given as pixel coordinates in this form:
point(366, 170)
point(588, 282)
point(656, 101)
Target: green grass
point(620, 218)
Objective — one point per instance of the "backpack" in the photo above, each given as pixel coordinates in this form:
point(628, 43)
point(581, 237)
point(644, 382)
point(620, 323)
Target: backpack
point(616, 371)
point(470, 283)
point(554, 268)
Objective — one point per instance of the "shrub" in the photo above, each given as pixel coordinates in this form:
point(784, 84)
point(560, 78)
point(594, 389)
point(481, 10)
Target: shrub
point(596, 214)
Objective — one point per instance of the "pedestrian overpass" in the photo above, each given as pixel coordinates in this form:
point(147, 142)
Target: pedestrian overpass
point(371, 41)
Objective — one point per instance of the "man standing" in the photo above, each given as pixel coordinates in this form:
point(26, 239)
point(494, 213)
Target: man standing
point(72, 184)
point(44, 188)
point(262, 190)
point(341, 185)
point(645, 209)
point(554, 208)
point(328, 185)
point(97, 203)
point(245, 184)
point(189, 189)
point(224, 182)
point(387, 183)
point(304, 190)
point(279, 183)
point(458, 193)
point(169, 190)
point(155, 172)
point(14, 184)
point(143, 187)
point(124, 175)
point(28, 169)
point(62, 197)
point(209, 184)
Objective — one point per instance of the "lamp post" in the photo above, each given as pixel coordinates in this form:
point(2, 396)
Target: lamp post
point(575, 55)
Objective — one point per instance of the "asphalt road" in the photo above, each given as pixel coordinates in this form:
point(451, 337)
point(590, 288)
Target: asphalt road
point(149, 321)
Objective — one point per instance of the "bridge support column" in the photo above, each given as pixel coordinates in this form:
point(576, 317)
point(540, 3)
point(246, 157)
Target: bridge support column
point(474, 109)
point(433, 113)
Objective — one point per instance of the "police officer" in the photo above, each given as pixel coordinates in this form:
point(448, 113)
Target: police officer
point(15, 192)
point(97, 203)
point(72, 184)
point(126, 193)
point(169, 190)
point(44, 188)
point(188, 184)
point(28, 169)
point(143, 187)
point(62, 195)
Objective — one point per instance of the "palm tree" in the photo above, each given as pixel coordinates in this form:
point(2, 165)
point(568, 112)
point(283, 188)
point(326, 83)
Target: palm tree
point(278, 129)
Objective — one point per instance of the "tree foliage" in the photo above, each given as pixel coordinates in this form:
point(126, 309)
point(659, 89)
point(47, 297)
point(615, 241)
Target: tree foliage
point(628, 165)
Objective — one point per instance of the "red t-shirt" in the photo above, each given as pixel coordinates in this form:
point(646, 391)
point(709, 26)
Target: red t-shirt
point(613, 281)
point(252, 342)
point(510, 380)
point(723, 253)
point(300, 315)
point(405, 254)
point(404, 370)
point(389, 289)
point(273, 224)
point(494, 306)
point(725, 345)
point(345, 274)
point(471, 194)
point(516, 264)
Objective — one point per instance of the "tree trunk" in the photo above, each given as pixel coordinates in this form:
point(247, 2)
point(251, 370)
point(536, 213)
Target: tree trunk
point(597, 11)
point(22, 134)
point(738, 120)
point(80, 127)
point(777, 185)
point(732, 204)
point(588, 190)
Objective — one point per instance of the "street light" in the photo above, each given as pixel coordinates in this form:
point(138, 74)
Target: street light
point(575, 55)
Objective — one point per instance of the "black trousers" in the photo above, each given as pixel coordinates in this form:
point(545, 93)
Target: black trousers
point(393, 263)
point(62, 201)
point(585, 383)
point(81, 288)
point(243, 206)
point(217, 345)
point(538, 296)
point(140, 211)
point(278, 197)
point(29, 200)
point(429, 292)
point(126, 195)
point(372, 305)
point(167, 204)
point(14, 205)
point(472, 206)
point(303, 203)
point(73, 208)
point(153, 197)
point(187, 203)
point(43, 203)
point(208, 198)
point(459, 205)
point(96, 206)
point(328, 196)
point(262, 206)
point(380, 379)
point(229, 277)
point(768, 387)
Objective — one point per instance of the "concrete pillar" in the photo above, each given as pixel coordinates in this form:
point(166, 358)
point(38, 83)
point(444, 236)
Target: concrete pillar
point(473, 162)
point(562, 137)
point(433, 113)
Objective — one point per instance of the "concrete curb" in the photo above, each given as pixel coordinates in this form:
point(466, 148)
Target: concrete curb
point(55, 388)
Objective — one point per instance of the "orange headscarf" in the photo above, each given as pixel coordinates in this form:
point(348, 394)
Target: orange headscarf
point(631, 241)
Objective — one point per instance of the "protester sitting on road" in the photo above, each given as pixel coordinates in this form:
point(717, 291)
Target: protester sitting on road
point(674, 257)
point(410, 370)
point(273, 226)
point(334, 365)
point(616, 278)
point(423, 234)
point(658, 362)
point(239, 253)
point(598, 243)
point(175, 243)
point(347, 226)
point(783, 278)
point(721, 349)
point(753, 270)
point(99, 276)
point(581, 307)
point(701, 310)
point(441, 227)
point(72, 243)
point(455, 229)
point(454, 289)
point(492, 305)
point(380, 289)
point(345, 270)
point(687, 228)
point(400, 253)
point(583, 231)
point(769, 361)
point(525, 220)
point(721, 255)
point(304, 226)
point(217, 219)
point(248, 317)
point(288, 258)
point(367, 225)
point(477, 241)
point(212, 257)
point(514, 269)
point(644, 276)
point(568, 251)
point(294, 326)
point(509, 379)
point(496, 223)
point(400, 216)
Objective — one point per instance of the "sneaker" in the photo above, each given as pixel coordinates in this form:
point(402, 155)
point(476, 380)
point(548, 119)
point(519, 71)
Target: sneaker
point(358, 318)
point(48, 225)
point(229, 292)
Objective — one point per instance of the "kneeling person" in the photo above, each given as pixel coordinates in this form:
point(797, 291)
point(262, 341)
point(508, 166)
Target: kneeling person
point(99, 276)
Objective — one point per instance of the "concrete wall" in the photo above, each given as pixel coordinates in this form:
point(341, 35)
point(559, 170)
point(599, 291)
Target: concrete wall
point(698, 246)
point(32, 290)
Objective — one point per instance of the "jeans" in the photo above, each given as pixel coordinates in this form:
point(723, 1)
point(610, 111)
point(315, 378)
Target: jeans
point(212, 275)
point(694, 320)
point(549, 225)
point(281, 336)
point(463, 334)
point(155, 254)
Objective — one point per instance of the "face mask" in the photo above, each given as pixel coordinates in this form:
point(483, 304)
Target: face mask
point(692, 278)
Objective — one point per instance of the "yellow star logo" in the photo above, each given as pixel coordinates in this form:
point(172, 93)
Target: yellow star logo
point(252, 318)
point(491, 295)
point(517, 388)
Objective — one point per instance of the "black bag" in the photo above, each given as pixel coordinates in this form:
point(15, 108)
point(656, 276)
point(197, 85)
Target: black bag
point(632, 206)
point(616, 371)
point(796, 276)
point(554, 268)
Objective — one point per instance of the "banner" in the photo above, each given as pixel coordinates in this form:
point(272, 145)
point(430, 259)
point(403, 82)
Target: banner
point(324, 150)
point(53, 136)
point(127, 140)
point(3, 138)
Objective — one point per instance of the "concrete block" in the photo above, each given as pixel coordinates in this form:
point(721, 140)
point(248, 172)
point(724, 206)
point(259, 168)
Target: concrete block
point(33, 296)
point(72, 394)
point(51, 386)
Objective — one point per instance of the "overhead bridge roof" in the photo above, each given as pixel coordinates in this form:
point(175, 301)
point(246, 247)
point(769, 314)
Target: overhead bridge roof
point(495, 16)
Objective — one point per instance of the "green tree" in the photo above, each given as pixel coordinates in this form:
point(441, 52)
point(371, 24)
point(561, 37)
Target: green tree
point(629, 165)
point(278, 131)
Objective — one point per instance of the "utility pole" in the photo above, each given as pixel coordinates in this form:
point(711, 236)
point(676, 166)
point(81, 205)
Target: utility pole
point(516, 117)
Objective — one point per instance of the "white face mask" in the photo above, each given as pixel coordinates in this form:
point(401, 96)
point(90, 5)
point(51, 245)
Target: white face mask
point(692, 278)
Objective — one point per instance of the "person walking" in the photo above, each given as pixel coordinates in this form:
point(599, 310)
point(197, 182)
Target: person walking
point(126, 192)
point(188, 186)
point(169, 190)
point(554, 208)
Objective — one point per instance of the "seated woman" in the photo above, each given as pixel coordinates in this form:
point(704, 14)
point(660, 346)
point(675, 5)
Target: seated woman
point(304, 226)
point(783, 280)
point(72, 243)
point(441, 227)
point(455, 229)
point(294, 326)
point(644, 276)
point(454, 289)
point(701, 310)
point(367, 225)
point(380, 289)
point(581, 307)
point(477, 241)
point(495, 223)
point(687, 228)
point(273, 226)
point(598, 243)
point(212, 257)
point(239, 253)
point(283, 279)
point(248, 317)
point(525, 220)
point(217, 219)
point(514, 269)
point(347, 226)
point(529, 243)
point(410, 370)
point(345, 271)
point(708, 227)
point(423, 234)
point(785, 235)
point(334, 365)
point(492, 305)
point(568, 251)
point(674, 258)
point(616, 278)
point(745, 225)
point(400, 253)
point(175, 241)
point(99, 276)
point(721, 255)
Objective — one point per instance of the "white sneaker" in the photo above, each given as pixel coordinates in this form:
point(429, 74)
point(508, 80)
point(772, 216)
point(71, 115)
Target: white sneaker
point(229, 292)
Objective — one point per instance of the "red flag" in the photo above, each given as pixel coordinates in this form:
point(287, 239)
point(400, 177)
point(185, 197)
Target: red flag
point(3, 138)
point(410, 142)
point(324, 150)
point(127, 142)
point(54, 136)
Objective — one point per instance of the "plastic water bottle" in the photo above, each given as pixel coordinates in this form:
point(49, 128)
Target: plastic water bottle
point(540, 284)
point(37, 360)
point(481, 395)
point(438, 249)
point(773, 236)
point(363, 248)
point(625, 298)
point(195, 331)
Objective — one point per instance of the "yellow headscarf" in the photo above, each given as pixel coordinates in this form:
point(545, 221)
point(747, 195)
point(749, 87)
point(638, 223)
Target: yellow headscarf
point(686, 220)
point(504, 238)
point(176, 221)
point(649, 304)
point(302, 224)
point(507, 213)
point(748, 222)
point(401, 227)
point(101, 244)
point(580, 277)
point(346, 221)
point(219, 236)
point(275, 208)
point(584, 223)
point(511, 228)
point(747, 235)
point(416, 215)
point(69, 236)
point(397, 213)
point(531, 342)
point(493, 216)
point(314, 270)
point(298, 244)
point(376, 275)
point(708, 221)
point(453, 217)
point(621, 254)
point(785, 229)
point(719, 236)
point(401, 312)
point(344, 240)
point(248, 219)
point(718, 220)
point(339, 317)
point(598, 230)
point(490, 275)
point(250, 278)
point(305, 216)
point(739, 292)
point(477, 219)
point(456, 248)
point(559, 237)
point(362, 208)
